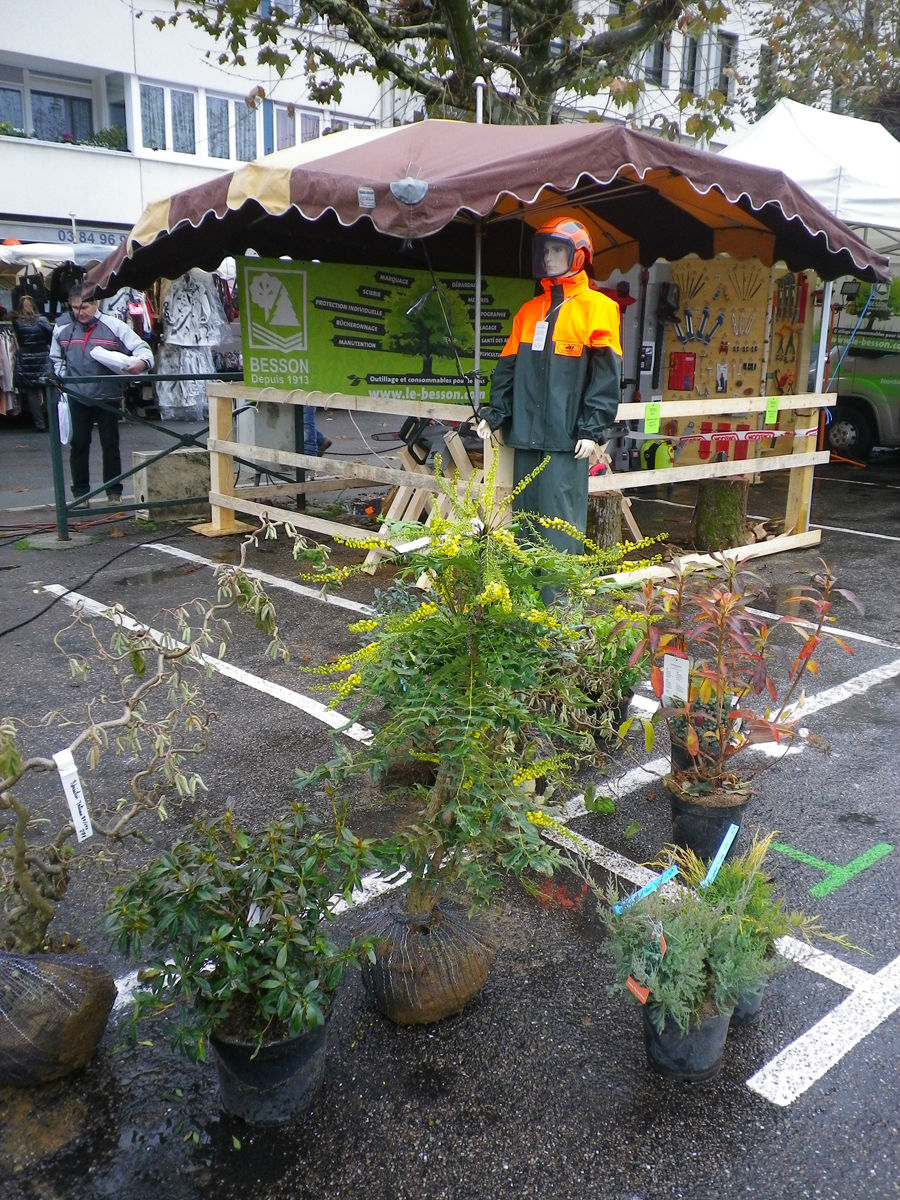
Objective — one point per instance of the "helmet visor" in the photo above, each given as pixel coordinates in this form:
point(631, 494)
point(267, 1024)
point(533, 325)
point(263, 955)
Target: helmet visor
point(551, 256)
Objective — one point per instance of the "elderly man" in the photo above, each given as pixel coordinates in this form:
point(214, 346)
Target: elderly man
point(91, 343)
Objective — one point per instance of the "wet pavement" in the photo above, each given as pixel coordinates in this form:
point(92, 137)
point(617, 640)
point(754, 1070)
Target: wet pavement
point(540, 1087)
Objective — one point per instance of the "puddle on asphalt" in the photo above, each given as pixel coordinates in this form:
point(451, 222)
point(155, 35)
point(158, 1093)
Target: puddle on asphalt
point(857, 818)
point(155, 574)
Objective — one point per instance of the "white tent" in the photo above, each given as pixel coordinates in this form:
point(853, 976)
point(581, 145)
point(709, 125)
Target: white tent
point(851, 167)
point(44, 256)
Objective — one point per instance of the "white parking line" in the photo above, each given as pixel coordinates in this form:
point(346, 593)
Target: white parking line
point(798, 1066)
point(287, 585)
point(313, 708)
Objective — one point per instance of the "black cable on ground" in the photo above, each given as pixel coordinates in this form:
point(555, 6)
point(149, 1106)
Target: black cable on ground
point(102, 567)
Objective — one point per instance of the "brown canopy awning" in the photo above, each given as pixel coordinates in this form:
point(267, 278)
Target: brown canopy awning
point(409, 197)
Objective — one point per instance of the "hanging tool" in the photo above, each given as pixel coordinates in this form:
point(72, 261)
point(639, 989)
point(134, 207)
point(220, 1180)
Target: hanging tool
point(685, 434)
point(665, 310)
point(703, 319)
point(689, 323)
point(645, 279)
point(717, 325)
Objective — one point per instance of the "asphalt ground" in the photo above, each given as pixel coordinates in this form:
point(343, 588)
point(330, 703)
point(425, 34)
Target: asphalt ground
point(540, 1087)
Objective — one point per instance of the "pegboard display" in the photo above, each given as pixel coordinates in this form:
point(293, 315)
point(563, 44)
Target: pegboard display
point(731, 329)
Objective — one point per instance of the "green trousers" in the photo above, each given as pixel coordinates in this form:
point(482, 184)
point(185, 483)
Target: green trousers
point(560, 490)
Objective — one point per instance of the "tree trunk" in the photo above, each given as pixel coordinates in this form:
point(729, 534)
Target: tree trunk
point(604, 519)
point(720, 516)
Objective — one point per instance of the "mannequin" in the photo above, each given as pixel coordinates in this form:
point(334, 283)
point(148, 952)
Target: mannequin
point(556, 386)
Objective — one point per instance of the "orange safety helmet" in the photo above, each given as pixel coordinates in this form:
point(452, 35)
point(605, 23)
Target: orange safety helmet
point(569, 234)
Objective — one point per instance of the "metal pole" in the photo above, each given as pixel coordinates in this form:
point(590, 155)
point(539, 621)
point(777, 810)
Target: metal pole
point(479, 120)
point(51, 399)
point(824, 336)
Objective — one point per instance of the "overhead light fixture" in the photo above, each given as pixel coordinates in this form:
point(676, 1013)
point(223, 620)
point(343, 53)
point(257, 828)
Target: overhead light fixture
point(850, 289)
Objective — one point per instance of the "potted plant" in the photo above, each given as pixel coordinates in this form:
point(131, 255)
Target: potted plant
point(477, 679)
point(231, 929)
point(743, 885)
point(683, 956)
point(143, 701)
point(608, 669)
point(726, 683)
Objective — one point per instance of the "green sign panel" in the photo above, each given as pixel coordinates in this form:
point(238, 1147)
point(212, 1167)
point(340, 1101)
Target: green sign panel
point(369, 331)
point(888, 341)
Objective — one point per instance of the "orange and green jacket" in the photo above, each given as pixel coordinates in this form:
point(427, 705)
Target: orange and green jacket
point(549, 399)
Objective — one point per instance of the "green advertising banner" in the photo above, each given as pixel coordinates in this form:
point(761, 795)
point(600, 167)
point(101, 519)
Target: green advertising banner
point(369, 331)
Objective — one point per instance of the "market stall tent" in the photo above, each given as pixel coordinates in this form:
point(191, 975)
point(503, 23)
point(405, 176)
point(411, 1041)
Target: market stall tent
point(414, 196)
point(44, 257)
point(851, 167)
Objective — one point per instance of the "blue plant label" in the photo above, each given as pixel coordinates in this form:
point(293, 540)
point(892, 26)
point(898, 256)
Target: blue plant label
point(720, 856)
point(647, 890)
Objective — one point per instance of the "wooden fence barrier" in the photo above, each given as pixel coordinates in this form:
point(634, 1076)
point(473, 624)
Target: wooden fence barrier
point(416, 488)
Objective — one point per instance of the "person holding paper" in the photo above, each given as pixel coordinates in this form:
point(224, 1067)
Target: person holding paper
point(556, 386)
point(91, 343)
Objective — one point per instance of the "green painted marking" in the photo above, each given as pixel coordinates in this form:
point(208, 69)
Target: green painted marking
point(835, 876)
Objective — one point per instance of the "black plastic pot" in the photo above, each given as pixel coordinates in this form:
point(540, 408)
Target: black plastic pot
point(692, 1056)
point(701, 827)
point(748, 1004)
point(276, 1085)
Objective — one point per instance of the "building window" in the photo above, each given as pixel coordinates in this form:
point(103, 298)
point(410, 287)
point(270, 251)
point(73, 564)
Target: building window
point(689, 66)
point(217, 127)
point(183, 138)
point(727, 45)
point(11, 107)
point(655, 69)
point(244, 132)
point(285, 132)
point(153, 117)
point(309, 127)
point(499, 23)
point(56, 118)
point(115, 102)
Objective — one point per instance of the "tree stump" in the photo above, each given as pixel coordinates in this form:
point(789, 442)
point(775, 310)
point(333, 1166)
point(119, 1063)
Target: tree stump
point(720, 515)
point(604, 519)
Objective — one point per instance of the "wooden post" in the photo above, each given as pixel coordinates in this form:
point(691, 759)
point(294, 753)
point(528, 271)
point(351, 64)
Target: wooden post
point(221, 473)
point(800, 480)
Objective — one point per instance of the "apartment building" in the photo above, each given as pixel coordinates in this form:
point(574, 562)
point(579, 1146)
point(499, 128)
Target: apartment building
point(102, 112)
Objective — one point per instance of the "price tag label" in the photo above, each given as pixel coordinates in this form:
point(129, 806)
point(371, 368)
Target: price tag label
point(540, 335)
point(716, 863)
point(771, 410)
point(647, 890)
point(676, 677)
point(68, 774)
point(651, 417)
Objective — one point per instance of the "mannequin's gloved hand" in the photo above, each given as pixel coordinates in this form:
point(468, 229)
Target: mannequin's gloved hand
point(584, 448)
point(483, 429)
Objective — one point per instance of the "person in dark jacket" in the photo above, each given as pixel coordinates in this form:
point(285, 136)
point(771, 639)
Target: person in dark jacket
point(33, 334)
point(92, 343)
point(556, 386)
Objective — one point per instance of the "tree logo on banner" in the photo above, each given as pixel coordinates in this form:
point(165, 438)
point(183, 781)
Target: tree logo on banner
point(277, 310)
